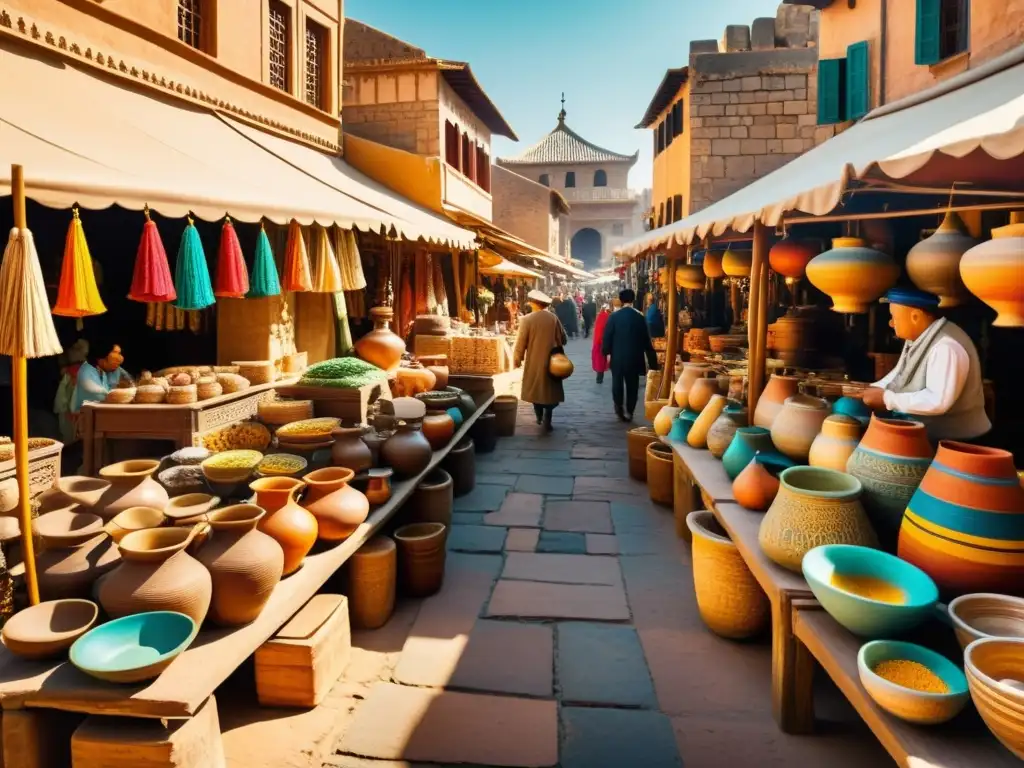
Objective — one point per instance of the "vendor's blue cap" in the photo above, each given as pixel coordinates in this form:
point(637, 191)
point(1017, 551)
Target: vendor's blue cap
point(913, 297)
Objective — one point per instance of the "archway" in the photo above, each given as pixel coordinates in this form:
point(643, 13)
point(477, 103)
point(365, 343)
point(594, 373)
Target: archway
point(586, 246)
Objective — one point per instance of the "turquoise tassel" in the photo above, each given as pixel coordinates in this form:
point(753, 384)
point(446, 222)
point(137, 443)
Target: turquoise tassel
point(263, 281)
point(191, 274)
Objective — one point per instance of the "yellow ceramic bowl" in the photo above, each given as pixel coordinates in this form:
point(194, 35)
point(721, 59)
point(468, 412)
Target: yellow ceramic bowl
point(914, 706)
point(987, 662)
point(231, 466)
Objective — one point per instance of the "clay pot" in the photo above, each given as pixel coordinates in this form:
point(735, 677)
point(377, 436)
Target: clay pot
point(746, 442)
point(350, 449)
point(373, 440)
point(700, 393)
point(485, 433)
point(290, 525)
point(713, 264)
point(758, 484)
point(853, 275)
point(797, 424)
point(131, 485)
point(438, 428)
point(737, 263)
point(372, 576)
point(339, 508)
point(438, 365)
point(835, 443)
point(48, 629)
point(790, 258)
point(933, 264)
point(380, 346)
point(460, 463)
point(721, 433)
point(272, 493)
point(411, 380)
point(421, 558)
point(560, 367)
point(663, 421)
point(691, 372)
point(637, 440)
point(969, 505)
point(681, 426)
point(133, 519)
point(505, 408)
point(814, 506)
point(775, 393)
point(378, 489)
point(157, 574)
point(992, 270)
point(75, 553)
point(433, 499)
point(890, 461)
point(407, 450)
point(244, 564)
point(792, 339)
point(86, 492)
point(697, 437)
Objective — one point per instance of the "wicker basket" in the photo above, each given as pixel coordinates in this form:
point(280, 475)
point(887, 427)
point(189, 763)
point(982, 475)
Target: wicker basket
point(257, 371)
point(481, 355)
point(208, 388)
point(182, 395)
point(278, 412)
point(120, 396)
point(219, 369)
point(372, 574)
point(637, 441)
point(432, 345)
point(150, 394)
point(729, 598)
point(659, 473)
point(652, 407)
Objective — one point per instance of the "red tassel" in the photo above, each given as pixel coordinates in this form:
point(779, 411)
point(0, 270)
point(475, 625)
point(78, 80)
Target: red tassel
point(232, 280)
point(151, 280)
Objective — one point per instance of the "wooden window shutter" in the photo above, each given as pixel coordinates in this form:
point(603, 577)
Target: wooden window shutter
point(830, 90)
point(679, 117)
point(928, 40)
point(858, 80)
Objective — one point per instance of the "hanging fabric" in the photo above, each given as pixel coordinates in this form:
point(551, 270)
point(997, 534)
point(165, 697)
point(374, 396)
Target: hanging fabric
point(77, 295)
point(355, 301)
point(264, 280)
point(342, 331)
point(232, 277)
point(26, 325)
point(191, 274)
point(440, 294)
point(151, 278)
point(407, 302)
point(352, 276)
point(420, 273)
point(428, 267)
point(296, 275)
point(326, 273)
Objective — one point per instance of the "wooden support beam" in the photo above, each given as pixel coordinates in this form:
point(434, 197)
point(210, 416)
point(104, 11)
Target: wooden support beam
point(671, 331)
point(757, 314)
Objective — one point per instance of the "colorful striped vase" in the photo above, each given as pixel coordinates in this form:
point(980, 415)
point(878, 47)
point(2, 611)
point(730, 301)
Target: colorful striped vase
point(964, 525)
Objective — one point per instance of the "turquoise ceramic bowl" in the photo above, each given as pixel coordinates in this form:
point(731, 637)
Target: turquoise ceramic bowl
point(133, 648)
point(909, 704)
point(457, 416)
point(854, 408)
point(861, 615)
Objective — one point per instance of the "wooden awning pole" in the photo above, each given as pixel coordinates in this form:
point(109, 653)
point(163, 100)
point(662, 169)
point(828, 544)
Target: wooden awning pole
point(757, 314)
point(665, 390)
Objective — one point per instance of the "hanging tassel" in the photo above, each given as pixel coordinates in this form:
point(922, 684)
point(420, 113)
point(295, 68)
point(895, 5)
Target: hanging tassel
point(296, 261)
point(77, 295)
point(232, 277)
point(326, 273)
point(264, 271)
point(351, 264)
point(191, 275)
point(151, 279)
point(26, 325)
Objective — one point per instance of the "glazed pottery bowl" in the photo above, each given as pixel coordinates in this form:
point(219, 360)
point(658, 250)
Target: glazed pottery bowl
point(986, 615)
point(910, 704)
point(988, 663)
point(866, 616)
point(854, 408)
point(133, 648)
point(133, 519)
point(48, 629)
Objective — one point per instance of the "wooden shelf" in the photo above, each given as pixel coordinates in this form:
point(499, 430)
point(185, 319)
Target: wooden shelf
point(707, 472)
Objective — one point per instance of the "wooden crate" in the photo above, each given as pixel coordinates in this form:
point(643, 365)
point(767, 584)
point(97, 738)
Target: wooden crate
point(349, 405)
point(298, 666)
point(43, 467)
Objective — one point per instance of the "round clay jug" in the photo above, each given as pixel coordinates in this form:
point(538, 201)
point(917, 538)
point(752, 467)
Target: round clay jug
point(697, 437)
point(721, 433)
point(438, 428)
point(890, 461)
point(814, 506)
point(560, 367)
point(350, 449)
point(485, 432)
point(438, 365)
point(775, 393)
point(291, 526)
point(272, 493)
point(835, 443)
point(797, 424)
point(745, 443)
point(433, 499)
point(991, 271)
point(407, 451)
point(701, 392)
point(157, 574)
point(933, 264)
point(339, 508)
point(663, 421)
point(75, 553)
point(380, 346)
point(852, 274)
point(691, 372)
point(131, 485)
point(758, 484)
point(244, 564)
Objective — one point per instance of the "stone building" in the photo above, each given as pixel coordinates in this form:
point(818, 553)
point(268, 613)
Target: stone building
point(595, 182)
point(531, 211)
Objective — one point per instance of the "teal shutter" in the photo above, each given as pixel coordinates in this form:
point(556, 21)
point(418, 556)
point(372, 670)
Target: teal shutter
point(858, 80)
point(927, 48)
point(830, 88)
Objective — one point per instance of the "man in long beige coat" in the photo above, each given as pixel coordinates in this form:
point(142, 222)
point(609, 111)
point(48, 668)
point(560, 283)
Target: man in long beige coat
point(540, 332)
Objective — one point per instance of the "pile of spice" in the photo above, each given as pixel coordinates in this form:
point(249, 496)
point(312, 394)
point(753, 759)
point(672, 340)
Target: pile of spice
point(869, 587)
point(910, 674)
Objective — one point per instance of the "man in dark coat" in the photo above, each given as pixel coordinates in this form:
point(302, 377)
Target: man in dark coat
point(628, 344)
point(589, 315)
point(565, 310)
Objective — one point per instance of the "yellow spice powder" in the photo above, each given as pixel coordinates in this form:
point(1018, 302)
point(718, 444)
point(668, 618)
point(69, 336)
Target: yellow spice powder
point(910, 674)
point(868, 586)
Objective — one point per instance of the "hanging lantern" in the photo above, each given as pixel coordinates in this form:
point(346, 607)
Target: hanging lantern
point(232, 277)
point(994, 272)
point(77, 295)
point(151, 278)
point(690, 276)
point(713, 264)
point(296, 261)
point(933, 264)
point(852, 274)
point(326, 272)
point(191, 275)
point(264, 280)
point(736, 263)
point(790, 258)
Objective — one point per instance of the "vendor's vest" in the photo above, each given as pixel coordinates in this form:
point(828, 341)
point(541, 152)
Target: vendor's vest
point(966, 419)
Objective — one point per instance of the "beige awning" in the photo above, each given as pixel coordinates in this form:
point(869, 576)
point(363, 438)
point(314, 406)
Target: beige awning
point(506, 268)
point(977, 117)
point(96, 142)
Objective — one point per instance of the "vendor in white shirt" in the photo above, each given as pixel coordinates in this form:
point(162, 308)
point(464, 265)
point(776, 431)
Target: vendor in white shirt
point(937, 380)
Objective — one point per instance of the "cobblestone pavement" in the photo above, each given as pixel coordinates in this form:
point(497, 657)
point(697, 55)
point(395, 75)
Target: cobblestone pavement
point(567, 632)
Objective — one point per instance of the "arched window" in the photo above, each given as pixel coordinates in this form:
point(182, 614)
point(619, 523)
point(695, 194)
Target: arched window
point(545, 180)
point(600, 178)
point(570, 179)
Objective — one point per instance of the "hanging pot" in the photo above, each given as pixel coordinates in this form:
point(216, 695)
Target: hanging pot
point(690, 276)
point(853, 275)
point(992, 272)
point(790, 257)
point(933, 264)
point(713, 264)
point(737, 263)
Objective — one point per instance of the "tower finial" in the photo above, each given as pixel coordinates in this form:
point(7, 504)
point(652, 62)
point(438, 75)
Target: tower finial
point(561, 115)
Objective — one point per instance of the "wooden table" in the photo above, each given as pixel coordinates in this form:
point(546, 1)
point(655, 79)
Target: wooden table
point(964, 742)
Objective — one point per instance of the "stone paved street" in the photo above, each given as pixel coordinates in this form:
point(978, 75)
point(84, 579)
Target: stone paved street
point(567, 631)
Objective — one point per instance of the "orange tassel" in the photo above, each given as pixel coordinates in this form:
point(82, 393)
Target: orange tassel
point(77, 295)
point(296, 275)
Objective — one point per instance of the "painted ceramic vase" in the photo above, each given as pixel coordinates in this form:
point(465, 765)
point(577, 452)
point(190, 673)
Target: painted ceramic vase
point(350, 450)
point(131, 485)
point(835, 443)
point(691, 372)
point(407, 451)
point(745, 443)
point(698, 434)
point(737, 263)
point(964, 525)
point(291, 526)
point(663, 421)
point(814, 506)
point(721, 433)
point(790, 258)
point(797, 424)
point(854, 408)
point(438, 428)
point(853, 275)
point(337, 506)
point(381, 346)
point(992, 270)
point(758, 484)
point(713, 264)
point(890, 461)
point(775, 393)
point(933, 264)
point(701, 392)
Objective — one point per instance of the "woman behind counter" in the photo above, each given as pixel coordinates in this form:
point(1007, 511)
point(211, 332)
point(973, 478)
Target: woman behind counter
point(97, 378)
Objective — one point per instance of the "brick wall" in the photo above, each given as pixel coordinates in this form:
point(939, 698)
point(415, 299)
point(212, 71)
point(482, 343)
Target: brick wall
point(362, 42)
point(522, 207)
point(411, 126)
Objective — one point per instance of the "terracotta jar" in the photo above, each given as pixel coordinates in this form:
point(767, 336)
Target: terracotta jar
point(965, 523)
point(663, 421)
point(412, 379)
point(372, 576)
point(131, 485)
point(853, 275)
point(721, 433)
point(157, 574)
point(701, 392)
point(505, 409)
point(746, 442)
point(890, 461)
point(697, 437)
point(934, 263)
point(775, 393)
point(75, 552)
point(244, 564)
point(407, 451)
point(485, 432)
point(433, 499)
point(835, 443)
point(691, 372)
point(438, 428)
point(350, 449)
point(797, 424)
point(291, 526)
point(814, 506)
point(421, 558)
point(272, 493)
point(380, 346)
point(438, 365)
point(790, 258)
point(339, 508)
point(758, 483)
point(460, 463)
point(378, 489)
point(992, 270)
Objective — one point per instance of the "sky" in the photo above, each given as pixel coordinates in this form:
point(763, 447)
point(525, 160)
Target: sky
point(608, 56)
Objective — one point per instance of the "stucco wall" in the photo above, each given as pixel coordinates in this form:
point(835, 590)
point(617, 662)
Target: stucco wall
point(672, 165)
point(396, 108)
point(454, 108)
point(523, 207)
point(363, 42)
